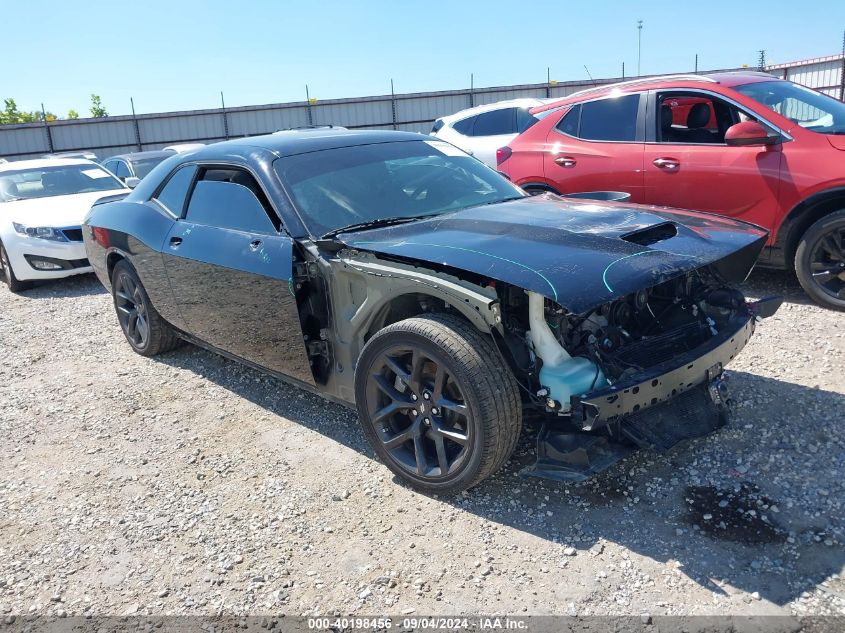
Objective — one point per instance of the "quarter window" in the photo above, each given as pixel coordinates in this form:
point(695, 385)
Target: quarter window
point(172, 196)
point(230, 199)
point(569, 123)
point(464, 126)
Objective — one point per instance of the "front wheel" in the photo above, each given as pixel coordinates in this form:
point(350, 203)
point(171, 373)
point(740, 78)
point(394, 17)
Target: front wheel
point(8, 275)
point(820, 261)
point(437, 403)
point(143, 327)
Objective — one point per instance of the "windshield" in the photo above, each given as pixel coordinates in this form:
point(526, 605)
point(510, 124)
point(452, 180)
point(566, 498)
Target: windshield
point(811, 110)
point(339, 187)
point(59, 180)
point(143, 166)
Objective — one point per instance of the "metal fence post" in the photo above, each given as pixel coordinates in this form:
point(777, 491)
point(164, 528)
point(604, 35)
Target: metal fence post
point(47, 128)
point(135, 123)
point(393, 103)
point(308, 99)
point(471, 88)
point(225, 117)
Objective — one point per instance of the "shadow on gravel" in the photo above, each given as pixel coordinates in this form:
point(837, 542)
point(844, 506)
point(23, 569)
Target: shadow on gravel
point(764, 282)
point(68, 288)
point(759, 527)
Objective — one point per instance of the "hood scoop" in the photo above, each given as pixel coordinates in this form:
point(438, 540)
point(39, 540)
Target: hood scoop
point(652, 234)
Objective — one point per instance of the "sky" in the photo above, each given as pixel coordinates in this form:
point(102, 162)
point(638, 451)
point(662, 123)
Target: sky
point(180, 54)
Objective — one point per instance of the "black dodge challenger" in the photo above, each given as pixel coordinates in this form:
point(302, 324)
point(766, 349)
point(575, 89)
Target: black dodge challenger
point(393, 272)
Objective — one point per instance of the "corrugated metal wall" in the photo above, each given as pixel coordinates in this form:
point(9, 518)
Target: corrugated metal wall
point(824, 74)
point(411, 112)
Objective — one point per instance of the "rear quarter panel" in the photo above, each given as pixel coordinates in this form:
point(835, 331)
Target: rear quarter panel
point(134, 231)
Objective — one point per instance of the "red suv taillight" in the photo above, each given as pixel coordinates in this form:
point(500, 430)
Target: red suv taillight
point(502, 154)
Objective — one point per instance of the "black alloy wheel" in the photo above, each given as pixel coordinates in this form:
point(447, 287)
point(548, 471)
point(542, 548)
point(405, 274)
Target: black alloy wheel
point(418, 411)
point(820, 261)
point(437, 402)
point(131, 310)
point(143, 327)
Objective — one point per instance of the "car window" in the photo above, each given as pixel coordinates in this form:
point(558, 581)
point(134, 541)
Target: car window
point(496, 122)
point(55, 180)
point(172, 195)
point(229, 198)
point(121, 169)
point(693, 117)
point(569, 123)
point(808, 108)
point(338, 187)
point(524, 120)
point(611, 119)
point(144, 166)
point(464, 126)
point(110, 165)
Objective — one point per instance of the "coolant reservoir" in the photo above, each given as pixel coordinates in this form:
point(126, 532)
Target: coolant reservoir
point(572, 377)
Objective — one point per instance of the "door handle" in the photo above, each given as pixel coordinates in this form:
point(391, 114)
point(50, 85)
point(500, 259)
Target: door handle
point(255, 245)
point(669, 164)
point(566, 161)
point(175, 241)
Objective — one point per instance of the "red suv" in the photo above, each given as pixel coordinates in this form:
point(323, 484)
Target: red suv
point(744, 145)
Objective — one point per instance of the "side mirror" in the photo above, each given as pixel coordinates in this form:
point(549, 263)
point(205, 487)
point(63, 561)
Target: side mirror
point(132, 181)
point(749, 133)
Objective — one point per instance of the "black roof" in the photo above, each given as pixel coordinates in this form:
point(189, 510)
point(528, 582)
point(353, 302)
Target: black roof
point(305, 140)
point(142, 155)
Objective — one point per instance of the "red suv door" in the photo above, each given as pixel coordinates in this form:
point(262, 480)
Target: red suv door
point(596, 143)
point(688, 165)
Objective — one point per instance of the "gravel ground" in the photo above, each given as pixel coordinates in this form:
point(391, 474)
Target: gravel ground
point(190, 484)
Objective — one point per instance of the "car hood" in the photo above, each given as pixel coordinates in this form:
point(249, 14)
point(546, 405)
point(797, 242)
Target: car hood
point(580, 254)
point(57, 211)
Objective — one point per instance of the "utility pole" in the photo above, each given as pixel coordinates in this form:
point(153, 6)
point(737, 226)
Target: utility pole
point(761, 61)
point(639, 45)
point(696, 63)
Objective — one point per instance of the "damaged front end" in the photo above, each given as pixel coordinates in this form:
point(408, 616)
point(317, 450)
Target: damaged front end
point(643, 371)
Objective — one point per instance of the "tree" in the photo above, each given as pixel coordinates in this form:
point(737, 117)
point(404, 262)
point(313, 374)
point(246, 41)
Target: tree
point(72, 114)
point(11, 114)
point(98, 111)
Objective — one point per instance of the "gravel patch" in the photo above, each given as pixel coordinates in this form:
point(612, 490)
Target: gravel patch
point(188, 484)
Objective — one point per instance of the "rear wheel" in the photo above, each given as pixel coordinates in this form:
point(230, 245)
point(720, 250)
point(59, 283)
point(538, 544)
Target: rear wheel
point(7, 274)
point(820, 261)
point(437, 403)
point(143, 327)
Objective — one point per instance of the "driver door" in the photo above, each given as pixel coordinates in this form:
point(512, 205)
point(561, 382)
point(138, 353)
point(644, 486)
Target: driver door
point(230, 268)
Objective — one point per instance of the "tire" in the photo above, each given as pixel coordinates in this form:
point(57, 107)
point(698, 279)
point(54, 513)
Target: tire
point(145, 331)
point(8, 275)
point(820, 261)
point(456, 404)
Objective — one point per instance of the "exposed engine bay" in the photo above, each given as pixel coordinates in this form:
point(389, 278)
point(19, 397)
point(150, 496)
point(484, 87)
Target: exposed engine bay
point(646, 369)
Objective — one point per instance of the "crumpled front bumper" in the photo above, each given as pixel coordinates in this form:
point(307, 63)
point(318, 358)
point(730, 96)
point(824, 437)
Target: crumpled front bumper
point(663, 382)
point(680, 399)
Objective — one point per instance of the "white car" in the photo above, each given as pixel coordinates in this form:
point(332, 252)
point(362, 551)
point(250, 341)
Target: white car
point(42, 205)
point(482, 130)
point(181, 148)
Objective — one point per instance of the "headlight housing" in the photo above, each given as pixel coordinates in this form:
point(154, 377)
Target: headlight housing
point(40, 232)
